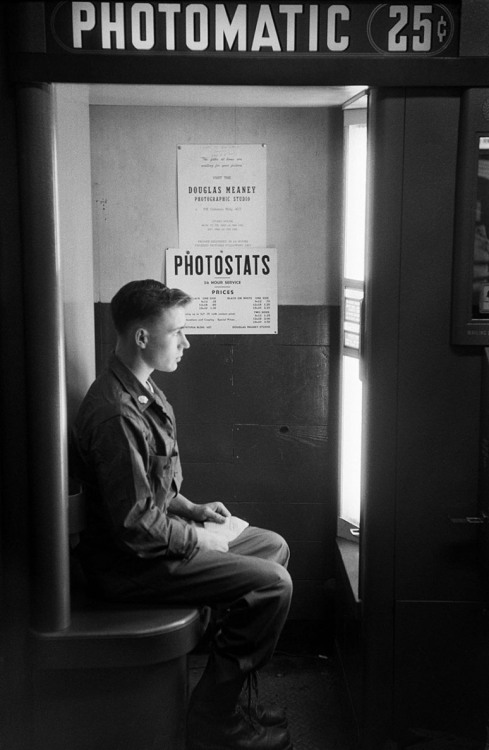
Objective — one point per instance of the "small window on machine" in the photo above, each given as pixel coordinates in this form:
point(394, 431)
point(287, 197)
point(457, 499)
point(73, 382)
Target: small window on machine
point(480, 276)
point(470, 302)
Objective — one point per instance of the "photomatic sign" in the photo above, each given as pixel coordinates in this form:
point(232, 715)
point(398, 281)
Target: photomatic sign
point(248, 29)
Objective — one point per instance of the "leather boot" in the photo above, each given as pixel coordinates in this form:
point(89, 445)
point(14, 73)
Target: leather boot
point(235, 731)
point(267, 715)
point(217, 722)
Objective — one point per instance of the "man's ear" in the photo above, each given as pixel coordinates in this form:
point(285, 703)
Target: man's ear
point(141, 337)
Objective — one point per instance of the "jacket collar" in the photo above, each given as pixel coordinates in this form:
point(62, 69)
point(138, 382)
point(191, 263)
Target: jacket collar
point(142, 397)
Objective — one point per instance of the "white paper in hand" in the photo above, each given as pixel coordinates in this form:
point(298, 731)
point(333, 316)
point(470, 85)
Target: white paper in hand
point(230, 529)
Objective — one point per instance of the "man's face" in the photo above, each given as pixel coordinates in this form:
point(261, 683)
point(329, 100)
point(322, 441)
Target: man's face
point(166, 340)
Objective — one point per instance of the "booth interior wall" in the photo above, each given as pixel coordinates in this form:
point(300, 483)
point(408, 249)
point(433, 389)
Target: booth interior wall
point(256, 414)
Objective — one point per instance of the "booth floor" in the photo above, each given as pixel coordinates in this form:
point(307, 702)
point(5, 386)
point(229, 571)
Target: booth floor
point(310, 690)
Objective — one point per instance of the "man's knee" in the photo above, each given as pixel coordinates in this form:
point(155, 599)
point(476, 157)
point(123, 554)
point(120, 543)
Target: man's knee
point(261, 543)
point(279, 593)
point(281, 552)
point(285, 581)
point(277, 582)
point(278, 548)
point(285, 588)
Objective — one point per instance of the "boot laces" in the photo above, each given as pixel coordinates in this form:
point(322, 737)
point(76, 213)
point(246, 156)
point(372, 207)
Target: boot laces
point(252, 690)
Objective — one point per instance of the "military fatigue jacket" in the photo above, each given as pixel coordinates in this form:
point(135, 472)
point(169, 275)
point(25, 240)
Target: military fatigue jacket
point(124, 450)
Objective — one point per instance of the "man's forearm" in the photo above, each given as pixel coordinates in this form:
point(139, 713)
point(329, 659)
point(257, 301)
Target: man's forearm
point(181, 506)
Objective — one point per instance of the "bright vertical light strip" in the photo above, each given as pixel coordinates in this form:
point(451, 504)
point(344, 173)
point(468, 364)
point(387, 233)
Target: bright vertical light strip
point(356, 172)
point(351, 440)
point(354, 265)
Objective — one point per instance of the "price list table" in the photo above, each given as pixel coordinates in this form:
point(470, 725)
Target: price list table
point(222, 302)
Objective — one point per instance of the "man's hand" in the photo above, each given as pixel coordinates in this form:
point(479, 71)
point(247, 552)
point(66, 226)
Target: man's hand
point(209, 542)
point(216, 512)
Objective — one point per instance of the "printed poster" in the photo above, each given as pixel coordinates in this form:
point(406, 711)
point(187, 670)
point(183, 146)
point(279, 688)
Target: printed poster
point(222, 196)
point(233, 291)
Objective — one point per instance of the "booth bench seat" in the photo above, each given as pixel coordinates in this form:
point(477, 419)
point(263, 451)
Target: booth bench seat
point(119, 636)
point(116, 677)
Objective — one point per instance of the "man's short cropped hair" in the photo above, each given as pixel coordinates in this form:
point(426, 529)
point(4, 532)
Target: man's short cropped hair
point(143, 300)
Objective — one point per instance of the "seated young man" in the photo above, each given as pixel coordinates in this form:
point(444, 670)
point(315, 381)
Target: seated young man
point(146, 542)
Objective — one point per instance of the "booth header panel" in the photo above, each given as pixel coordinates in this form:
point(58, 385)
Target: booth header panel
point(366, 43)
point(354, 28)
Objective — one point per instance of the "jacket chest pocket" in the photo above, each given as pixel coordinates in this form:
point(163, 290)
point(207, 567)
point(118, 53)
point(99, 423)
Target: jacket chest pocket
point(161, 473)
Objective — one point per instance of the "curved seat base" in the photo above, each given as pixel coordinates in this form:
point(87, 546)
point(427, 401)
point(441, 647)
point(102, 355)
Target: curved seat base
point(119, 636)
point(115, 679)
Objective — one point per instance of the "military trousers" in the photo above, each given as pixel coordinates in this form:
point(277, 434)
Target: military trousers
point(248, 586)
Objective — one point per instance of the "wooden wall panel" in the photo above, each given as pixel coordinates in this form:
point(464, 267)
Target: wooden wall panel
point(281, 384)
point(306, 555)
point(202, 390)
point(205, 442)
point(309, 602)
point(305, 522)
point(284, 444)
point(274, 483)
point(305, 325)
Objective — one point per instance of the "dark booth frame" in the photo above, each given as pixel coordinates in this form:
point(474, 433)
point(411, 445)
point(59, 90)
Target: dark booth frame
point(470, 308)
